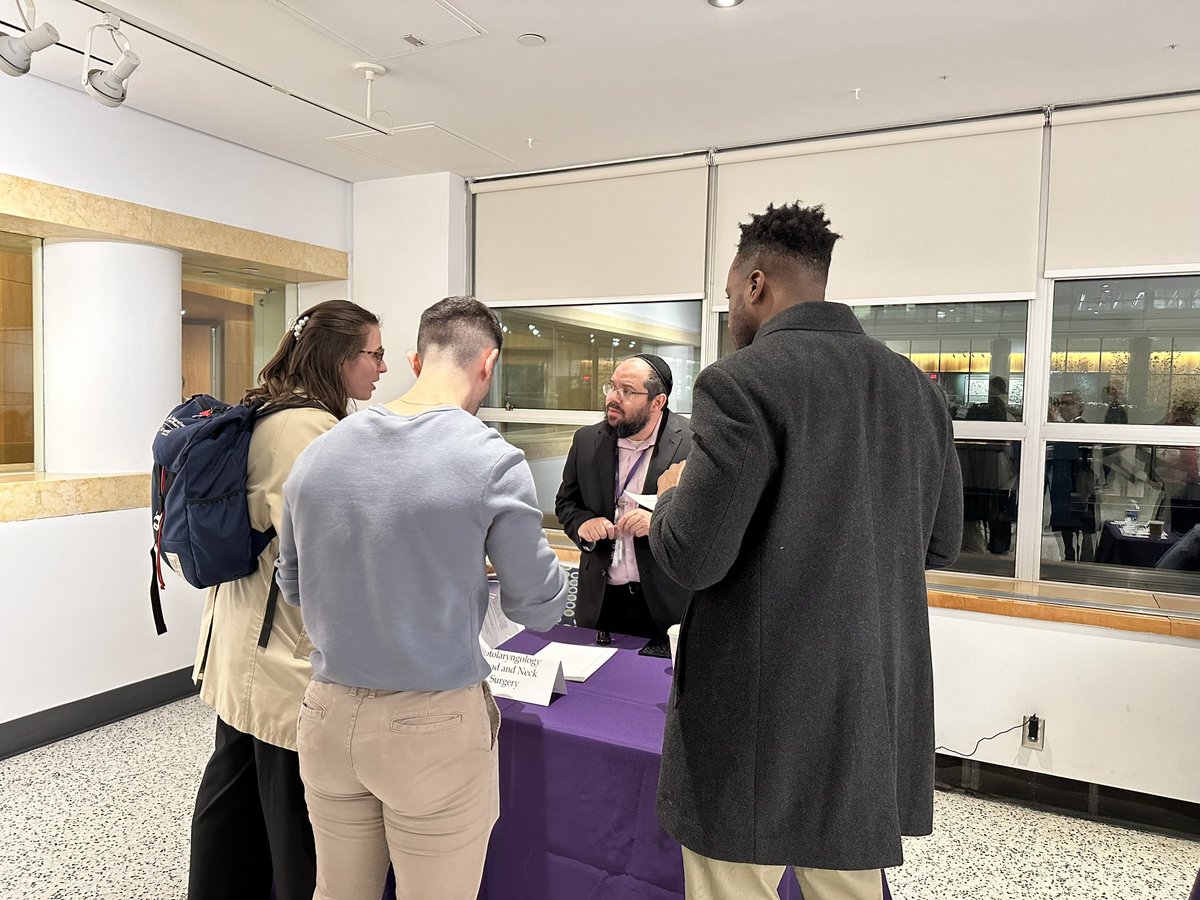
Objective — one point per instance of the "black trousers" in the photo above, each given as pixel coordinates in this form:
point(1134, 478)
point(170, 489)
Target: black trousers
point(624, 611)
point(250, 828)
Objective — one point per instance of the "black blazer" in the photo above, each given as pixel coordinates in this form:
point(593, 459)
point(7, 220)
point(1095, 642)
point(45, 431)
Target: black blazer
point(588, 486)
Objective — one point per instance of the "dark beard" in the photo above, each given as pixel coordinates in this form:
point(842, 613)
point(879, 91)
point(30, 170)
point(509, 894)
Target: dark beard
point(628, 428)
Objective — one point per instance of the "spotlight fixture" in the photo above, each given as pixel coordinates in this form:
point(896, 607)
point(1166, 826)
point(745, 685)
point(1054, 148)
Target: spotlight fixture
point(723, 4)
point(107, 86)
point(16, 52)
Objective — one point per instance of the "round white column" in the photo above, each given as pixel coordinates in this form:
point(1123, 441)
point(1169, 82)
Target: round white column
point(111, 352)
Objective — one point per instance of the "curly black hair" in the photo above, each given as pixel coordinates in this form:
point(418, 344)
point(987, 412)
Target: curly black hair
point(792, 232)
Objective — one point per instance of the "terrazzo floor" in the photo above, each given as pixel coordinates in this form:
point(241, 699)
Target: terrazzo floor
point(105, 815)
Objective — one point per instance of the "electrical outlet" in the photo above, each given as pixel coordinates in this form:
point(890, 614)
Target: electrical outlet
point(1033, 733)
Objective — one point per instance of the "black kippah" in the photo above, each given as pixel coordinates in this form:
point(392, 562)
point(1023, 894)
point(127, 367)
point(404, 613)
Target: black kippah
point(661, 369)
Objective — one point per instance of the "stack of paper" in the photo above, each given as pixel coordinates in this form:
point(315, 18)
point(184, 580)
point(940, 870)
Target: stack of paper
point(579, 663)
point(497, 627)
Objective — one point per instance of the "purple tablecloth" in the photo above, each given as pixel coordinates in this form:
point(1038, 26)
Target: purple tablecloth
point(578, 785)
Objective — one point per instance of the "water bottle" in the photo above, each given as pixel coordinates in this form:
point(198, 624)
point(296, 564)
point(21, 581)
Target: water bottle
point(1131, 514)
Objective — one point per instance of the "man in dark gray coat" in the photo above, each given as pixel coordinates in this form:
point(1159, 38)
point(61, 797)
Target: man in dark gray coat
point(821, 484)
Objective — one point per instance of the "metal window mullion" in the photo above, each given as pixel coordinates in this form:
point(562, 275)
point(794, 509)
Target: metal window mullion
point(944, 298)
point(589, 301)
point(988, 431)
point(1031, 478)
point(39, 363)
point(539, 416)
point(1097, 433)
point(710, 320)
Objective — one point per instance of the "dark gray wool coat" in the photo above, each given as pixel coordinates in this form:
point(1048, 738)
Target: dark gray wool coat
point(821, 484)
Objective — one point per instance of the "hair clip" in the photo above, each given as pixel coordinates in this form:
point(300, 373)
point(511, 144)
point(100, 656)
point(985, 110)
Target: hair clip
point(297, 325)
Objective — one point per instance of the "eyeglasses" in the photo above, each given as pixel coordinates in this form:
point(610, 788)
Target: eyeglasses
point(623, 392)
point(377, 355)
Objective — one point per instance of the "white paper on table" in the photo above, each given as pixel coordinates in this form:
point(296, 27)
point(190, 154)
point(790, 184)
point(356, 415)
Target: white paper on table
point(497, 627)
point(644, 500)
point(579, 662)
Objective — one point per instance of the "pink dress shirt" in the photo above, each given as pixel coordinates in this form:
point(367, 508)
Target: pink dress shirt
point(625, 570)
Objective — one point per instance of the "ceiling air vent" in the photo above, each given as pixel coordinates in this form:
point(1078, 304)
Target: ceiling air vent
point(414, 40)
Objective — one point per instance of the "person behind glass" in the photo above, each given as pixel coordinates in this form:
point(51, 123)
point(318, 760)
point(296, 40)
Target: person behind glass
point(250, 827)
point(989, 470)
point(822, 483)
point(621, 587)
point(387, 520)
point(1072, 488)
point(1115, 413)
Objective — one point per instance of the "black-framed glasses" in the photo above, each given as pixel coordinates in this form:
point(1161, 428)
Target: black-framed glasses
point(623, 392)
point(376, 355)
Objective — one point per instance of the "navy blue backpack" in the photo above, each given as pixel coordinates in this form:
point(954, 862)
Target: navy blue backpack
point(198, 500)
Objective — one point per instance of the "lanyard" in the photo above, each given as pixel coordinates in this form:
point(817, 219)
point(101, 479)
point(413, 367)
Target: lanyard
point(632, 469)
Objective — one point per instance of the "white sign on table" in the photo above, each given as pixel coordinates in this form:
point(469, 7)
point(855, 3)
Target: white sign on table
point(519, 676)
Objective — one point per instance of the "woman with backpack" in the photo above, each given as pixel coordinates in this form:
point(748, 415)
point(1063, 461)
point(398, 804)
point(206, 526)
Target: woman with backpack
point(250, 829)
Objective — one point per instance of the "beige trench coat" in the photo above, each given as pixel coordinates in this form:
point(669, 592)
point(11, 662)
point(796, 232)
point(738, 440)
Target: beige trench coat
point(256, 690)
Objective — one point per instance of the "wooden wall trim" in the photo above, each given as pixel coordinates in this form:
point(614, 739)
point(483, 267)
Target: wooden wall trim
point(49, 211)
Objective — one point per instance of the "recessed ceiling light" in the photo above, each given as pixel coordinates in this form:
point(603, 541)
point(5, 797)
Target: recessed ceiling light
point(723, 4)
point(209, 272)
point(535, 40)
point(250, 270)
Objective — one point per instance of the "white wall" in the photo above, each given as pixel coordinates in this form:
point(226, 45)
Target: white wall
point(1121, 708)
point(61, 136)
point(410, 250)
point(320, 291)
point(76, 615)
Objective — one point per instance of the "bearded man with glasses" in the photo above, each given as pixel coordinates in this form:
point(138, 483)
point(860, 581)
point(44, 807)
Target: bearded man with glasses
point(621, 587)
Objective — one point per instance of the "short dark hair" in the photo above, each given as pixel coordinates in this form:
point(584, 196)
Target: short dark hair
point(308, 364)
point(460, 325)
point(795, 233)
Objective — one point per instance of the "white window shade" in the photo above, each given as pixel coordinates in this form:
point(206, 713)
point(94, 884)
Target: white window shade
point(628, 235)
point(1125, 188)
point(930, 212)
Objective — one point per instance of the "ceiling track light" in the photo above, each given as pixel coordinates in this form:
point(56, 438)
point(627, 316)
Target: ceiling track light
point(17, 52)
point(108, 86)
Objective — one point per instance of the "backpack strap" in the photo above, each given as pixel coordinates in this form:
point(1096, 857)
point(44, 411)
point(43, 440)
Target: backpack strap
point(269, 617)
point(160, 624)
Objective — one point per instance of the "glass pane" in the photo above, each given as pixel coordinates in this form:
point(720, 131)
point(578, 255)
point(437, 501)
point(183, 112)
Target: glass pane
point(990, 470)
point(557, 357)
point(232, 324)
point(974, 351)
point(724, 336)
point(16, 352)
point(1102, 500)
point(546, 448)
point(1128, 350)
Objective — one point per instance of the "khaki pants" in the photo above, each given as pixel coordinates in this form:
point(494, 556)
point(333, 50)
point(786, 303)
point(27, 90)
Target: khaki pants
point(715, 879)
point(406, 775)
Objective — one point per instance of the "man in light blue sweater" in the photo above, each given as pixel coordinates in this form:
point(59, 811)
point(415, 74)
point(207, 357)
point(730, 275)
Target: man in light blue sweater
point(386, 521)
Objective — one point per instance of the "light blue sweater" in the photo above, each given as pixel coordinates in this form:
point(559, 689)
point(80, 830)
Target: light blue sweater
point(386, 520)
